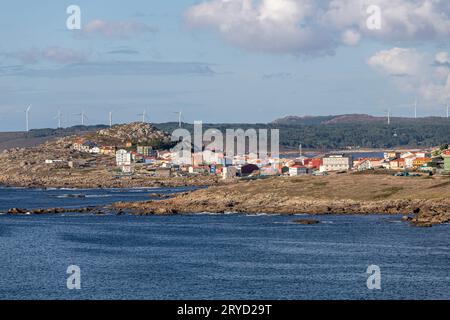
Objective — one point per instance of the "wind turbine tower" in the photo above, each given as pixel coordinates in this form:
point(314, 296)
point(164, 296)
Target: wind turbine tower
point(59, 116)
point(415, 109)
point(180, 115)
point(110, 119)
point(83, 116)
point(144, 115)
point(27, 117)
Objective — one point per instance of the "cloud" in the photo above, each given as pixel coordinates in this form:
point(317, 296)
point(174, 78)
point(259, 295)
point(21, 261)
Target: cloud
point(115, 29)
point(308, 26)
point(350, 37)
point(114, 68)
point(49, 54)
point(398, 62)
point(423, 74)
point(442, 59)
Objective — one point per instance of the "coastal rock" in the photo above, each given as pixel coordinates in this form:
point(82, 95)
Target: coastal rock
point(17, 211)
point(306, 221)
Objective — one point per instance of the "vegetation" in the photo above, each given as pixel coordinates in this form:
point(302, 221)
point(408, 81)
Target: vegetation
point(369, 134)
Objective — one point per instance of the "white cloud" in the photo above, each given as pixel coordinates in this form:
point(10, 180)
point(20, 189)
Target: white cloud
point(306, 26)
point(398, 62)
point(442, 58)
point(415, 72)
point(350, 37)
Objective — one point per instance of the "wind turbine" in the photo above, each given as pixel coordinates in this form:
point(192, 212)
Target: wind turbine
point(180, 115)
point(110, 118)
point(83, 116)
point(415, 109)
point(447, 110)
point(143, 115)
point(27, 117)
point(388, 116)
point(58, 117)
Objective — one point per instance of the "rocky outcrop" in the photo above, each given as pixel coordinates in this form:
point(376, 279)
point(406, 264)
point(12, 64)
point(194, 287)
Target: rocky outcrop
point(18, 211)
point(267, 197)
point(136, 132)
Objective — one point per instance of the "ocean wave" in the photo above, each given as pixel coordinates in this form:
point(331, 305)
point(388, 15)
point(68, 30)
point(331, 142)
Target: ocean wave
point(69, 195)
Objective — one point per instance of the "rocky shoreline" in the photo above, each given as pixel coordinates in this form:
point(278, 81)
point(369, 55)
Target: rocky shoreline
point(273, 197)
point(423, 201)
point(419, 213)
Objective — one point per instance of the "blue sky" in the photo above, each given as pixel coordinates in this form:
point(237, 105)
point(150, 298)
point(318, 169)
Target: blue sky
point(215, 63)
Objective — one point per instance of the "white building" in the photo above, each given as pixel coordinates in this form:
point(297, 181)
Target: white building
point(336, 162)
point(95, 150)
point(229, 173)
point(298, 171)
point(123, 158)
point(409, 161)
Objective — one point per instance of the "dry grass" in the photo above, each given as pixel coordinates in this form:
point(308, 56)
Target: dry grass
point(348, 186)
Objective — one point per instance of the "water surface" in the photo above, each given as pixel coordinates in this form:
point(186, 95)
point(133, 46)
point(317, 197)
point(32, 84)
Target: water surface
point(217, 256)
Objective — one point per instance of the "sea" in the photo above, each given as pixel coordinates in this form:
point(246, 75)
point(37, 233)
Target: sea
point(211, 256)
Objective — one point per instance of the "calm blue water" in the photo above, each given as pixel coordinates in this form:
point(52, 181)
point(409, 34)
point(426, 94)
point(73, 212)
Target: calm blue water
point(216, 256)
point(73, 198)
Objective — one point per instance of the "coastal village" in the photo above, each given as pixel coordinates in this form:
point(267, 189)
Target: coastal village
point(138, 155)
point(133, 157)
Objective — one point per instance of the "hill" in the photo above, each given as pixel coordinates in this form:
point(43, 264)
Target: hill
point(320, 133)
point(47, 165)
point(352, 118)
point(36, 137)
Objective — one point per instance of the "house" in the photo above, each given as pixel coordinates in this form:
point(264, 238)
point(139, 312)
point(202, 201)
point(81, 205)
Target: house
point(146, 151)
point(77, 145)
point(136, 157)
point(312, 163)
point(149, 160)
point(87, 145)
point(446, 156)
point(391, 154)
point(363, 164)
point(397, 164)
point(198, 169)
point(298, 171)
point(423, 154)
point(123, 158)
point(406, 154)
point(126, 169)
point(197, 158)
point(108, 150)
point(409, 161)
point(336, 162)
point(95, 150)
point(419, 162)
point(229, 173)
point(269, 170)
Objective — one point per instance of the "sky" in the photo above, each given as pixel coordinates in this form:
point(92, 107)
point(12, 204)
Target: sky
point(221, 60)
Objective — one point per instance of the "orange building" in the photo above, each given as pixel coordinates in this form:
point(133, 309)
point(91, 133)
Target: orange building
point(418, 162)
